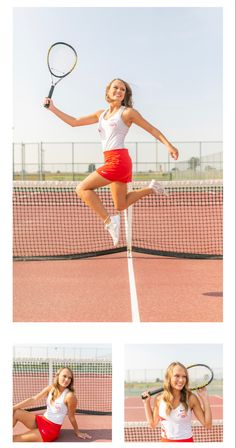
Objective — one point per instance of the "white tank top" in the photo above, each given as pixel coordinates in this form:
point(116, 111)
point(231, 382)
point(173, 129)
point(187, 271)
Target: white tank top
point(177, 425)
point(57, 410)
point(112, 131)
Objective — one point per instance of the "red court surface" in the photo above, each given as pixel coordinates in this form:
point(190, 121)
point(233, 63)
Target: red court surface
point(98, 290)
point(99, 427)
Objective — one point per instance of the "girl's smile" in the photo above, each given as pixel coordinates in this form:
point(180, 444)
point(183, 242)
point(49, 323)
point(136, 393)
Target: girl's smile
point(178, 379)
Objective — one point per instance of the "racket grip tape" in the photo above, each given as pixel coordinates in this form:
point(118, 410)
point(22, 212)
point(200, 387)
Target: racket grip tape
point(49, 96)
point(145, 395)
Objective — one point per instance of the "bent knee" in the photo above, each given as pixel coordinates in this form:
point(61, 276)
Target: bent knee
point(16, 412)
point(79, 190)
point(15, 415)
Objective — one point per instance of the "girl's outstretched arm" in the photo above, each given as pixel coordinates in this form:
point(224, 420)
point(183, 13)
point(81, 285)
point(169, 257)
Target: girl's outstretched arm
point(32, 400)
point(133, 116)
point(73, 121)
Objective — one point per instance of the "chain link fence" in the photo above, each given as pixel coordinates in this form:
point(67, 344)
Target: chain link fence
point(140, 380)
point(62, 351)
point(75, 160)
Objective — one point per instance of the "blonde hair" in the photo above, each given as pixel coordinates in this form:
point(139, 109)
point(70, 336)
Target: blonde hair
point(168, 395)
point(127, 101)
point(55, 391)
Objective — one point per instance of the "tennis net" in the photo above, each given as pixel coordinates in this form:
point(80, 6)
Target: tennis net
point(92, 382)
point(141, 432)
point(50, 221)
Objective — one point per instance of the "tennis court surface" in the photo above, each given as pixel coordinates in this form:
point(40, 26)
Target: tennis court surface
point(93, 387)
point(66, 269)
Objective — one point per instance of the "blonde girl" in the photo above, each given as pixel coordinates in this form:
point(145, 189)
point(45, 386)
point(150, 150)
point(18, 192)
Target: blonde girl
point(61, 401)
point(113, 126)
point(173, 408)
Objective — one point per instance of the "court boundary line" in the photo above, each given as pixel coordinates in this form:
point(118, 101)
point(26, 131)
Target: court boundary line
point(133, 292)
point(132, 284)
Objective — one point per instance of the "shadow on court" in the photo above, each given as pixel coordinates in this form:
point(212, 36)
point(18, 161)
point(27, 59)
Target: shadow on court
point(98, 435)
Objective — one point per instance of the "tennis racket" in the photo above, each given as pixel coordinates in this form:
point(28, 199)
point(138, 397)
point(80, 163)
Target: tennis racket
point(200, 375)
point(61, 59)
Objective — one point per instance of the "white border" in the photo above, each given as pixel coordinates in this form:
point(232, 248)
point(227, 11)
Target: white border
point(117, 334)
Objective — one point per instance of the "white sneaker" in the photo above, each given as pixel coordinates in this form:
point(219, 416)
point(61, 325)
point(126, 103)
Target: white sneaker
point(157, 188)
point(114, 228)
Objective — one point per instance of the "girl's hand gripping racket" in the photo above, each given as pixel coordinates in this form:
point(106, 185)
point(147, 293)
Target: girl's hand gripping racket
point(61, 60)
point(200, 375)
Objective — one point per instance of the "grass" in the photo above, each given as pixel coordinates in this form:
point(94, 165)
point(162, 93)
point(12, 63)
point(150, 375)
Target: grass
point(135, 388)
point(178, 175)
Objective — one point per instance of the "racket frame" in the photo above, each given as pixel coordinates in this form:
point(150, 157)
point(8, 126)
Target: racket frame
point(206, 383)
point(60, 77)
point(160, 389)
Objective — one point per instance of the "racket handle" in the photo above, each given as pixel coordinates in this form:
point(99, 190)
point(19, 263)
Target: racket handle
point(49, 96)
point(152, 392)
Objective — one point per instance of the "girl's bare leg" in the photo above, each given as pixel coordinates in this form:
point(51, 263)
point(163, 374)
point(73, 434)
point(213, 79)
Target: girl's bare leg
point(122, 199)
point(28, 419)
point(30, 436)
point(86, 192)
point(25, 417)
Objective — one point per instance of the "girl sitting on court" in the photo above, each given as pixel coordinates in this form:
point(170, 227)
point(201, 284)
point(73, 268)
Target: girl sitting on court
point(61, 401)
point(174, 407)
point(113, 126)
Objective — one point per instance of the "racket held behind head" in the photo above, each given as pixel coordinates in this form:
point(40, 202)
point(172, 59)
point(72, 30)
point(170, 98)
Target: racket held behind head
point(200, 375)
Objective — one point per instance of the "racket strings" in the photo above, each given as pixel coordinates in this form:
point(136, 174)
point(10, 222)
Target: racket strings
point(199, 377)
point(61, 60)
point(57, 72)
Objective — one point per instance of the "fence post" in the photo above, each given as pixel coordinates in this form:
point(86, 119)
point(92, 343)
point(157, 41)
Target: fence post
point(200, 158)
point(41, 162)
point(73, 160)
point(39, 157)
point(136, 155)
point(22, 161)
point(156, 156)
point(13, 159)
point(50, 371)
point(169, 172)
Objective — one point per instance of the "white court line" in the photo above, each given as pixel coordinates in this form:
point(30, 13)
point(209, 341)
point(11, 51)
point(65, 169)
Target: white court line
point(133, 292)
point(132, 284)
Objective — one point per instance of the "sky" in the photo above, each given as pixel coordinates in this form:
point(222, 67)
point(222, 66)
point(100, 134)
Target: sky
point(171, 56)
point(62, 350)
point(159, 356)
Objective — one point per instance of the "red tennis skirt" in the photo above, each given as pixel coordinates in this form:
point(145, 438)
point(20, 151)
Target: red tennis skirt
point(49, 431)
point(117, 166)
point(179, 440)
